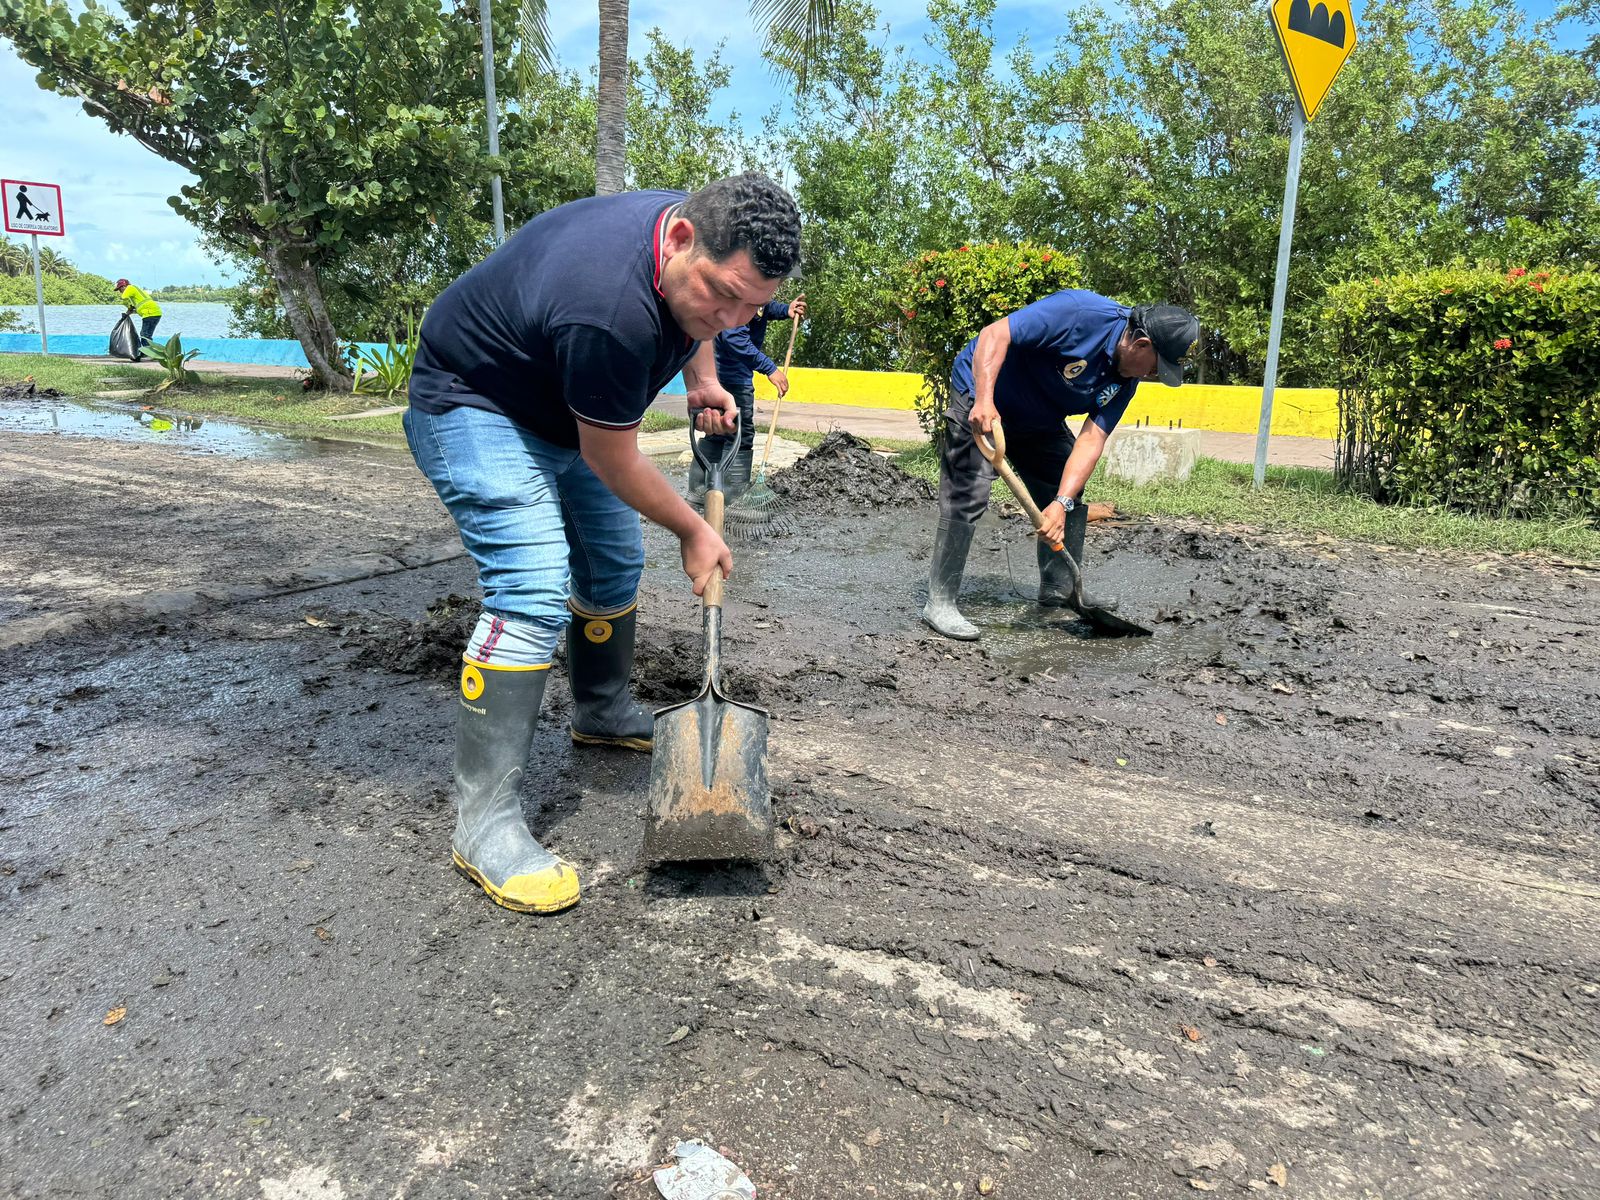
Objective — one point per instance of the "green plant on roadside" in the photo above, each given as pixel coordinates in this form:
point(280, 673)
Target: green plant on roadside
point(1472, 388)
point(947, 296)
point(386, 370)
point(174, 359)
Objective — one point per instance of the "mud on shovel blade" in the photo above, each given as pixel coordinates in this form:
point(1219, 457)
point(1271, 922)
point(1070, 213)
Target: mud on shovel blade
point(708, 774)
point(1102, 619)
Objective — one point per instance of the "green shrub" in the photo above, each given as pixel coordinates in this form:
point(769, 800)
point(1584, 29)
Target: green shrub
point(175, 359)
point(385, 371)
point(1473, 388)
point(947, 296)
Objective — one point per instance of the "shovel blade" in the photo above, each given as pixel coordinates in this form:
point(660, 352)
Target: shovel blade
point(1107, 621)
point(708, 783)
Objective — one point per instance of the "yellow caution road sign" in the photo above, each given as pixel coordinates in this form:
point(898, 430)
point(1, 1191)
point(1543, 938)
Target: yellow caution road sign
point(1316, 37)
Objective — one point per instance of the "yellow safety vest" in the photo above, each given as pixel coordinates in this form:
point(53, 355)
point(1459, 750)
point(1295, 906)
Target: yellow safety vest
point(144, 306)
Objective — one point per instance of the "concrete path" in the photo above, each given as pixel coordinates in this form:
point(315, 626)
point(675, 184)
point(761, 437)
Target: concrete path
point(881, 423)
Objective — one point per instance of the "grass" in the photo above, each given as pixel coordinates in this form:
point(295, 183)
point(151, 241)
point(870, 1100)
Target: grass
point(1307, 500)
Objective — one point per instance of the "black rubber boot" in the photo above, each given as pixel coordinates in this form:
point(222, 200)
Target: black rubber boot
point(736, 479)
point(492, 845)
point(599, 667)
point(696, 494)
point(1055, 577)
point(950, 545)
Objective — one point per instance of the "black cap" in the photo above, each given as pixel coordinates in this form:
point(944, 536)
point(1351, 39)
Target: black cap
point(1173, 331)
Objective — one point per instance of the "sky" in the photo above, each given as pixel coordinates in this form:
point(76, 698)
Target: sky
point(114, 192)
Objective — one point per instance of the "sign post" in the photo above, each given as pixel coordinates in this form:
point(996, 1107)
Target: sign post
point(34, 209)
point(1315, 42)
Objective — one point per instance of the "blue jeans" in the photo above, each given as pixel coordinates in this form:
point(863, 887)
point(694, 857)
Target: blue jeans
point(537, 521)
point(147, 329)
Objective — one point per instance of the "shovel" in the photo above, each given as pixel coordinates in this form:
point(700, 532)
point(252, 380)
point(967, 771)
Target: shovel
point(708, 774)
point(1102, 619)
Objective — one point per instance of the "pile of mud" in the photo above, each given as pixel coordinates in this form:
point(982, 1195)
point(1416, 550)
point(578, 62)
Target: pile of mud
point(430, 647)
point(842, 476)
point(28, 389)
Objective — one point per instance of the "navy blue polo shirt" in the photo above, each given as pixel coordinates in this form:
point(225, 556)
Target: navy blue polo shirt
point(1059, 363)
point(740, 352)
point(564, 323)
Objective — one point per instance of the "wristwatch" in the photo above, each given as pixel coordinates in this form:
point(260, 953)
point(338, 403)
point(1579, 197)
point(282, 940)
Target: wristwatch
point(1067, 502)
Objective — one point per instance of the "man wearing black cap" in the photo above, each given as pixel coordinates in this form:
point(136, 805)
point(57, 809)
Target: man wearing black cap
point(1072, 353)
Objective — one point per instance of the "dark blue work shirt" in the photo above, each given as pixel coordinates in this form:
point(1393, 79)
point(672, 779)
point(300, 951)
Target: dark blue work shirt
point(1059, 363)
point(564, 323)
point(739, 353)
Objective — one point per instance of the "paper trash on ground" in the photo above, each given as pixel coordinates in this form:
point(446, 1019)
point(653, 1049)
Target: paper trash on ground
point(702, 1174)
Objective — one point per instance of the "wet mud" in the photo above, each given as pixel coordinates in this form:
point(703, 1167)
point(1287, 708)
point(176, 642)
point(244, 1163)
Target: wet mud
point(1299, 894)
point(27, 389)
point(841, 476)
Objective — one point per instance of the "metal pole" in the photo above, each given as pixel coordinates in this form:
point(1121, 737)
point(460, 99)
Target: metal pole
point(1291, 190)
point(38, 292)
point(486, 20)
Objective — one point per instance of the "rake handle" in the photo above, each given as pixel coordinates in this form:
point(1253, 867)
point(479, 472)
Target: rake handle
point(788, 357)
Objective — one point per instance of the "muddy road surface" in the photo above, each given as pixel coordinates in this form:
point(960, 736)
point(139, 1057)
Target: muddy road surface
point(1297, 896)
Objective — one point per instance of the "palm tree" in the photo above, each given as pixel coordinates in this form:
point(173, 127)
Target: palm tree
point(52, 263)
point(807, 20)
point(14, 258)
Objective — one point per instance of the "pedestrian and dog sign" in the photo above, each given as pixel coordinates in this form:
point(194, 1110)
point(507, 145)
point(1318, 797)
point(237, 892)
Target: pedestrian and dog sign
point(33, 208)
point(1316, 39)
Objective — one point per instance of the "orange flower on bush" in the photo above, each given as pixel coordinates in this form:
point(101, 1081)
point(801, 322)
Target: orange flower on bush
point(938, 283)
point(1517, 272)
point(963, 248)
point(910, 313)
point(1538, 287)
point(1502, 344)
point(1044, 258)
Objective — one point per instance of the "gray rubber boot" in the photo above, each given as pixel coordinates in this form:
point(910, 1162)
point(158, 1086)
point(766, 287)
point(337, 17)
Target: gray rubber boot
point(736, 479)
point(1055, 577)
point(599, 667)
point(696, 495)
point(492, 845)
point(950, 545)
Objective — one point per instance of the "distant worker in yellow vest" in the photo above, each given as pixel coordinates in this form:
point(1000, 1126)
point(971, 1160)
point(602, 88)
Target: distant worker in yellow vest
point(148, 311)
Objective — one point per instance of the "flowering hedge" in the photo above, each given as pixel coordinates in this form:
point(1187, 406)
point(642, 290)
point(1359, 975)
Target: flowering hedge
point(947, 296)
point(1473, 388)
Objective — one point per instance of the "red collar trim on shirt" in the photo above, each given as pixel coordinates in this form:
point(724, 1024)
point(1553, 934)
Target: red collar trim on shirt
point(661, 229)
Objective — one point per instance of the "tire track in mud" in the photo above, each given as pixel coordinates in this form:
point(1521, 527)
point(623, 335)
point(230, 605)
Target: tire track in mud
point(1312, 1048)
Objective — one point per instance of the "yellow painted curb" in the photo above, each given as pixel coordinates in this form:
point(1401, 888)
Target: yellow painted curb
point(1296, 412)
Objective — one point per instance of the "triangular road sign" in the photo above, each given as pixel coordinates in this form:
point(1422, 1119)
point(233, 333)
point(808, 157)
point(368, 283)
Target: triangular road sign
point(1316, 37)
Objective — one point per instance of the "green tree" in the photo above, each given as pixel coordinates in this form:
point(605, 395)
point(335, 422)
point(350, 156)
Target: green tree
point(796, 24)
point(673, 142)
point(311, 126)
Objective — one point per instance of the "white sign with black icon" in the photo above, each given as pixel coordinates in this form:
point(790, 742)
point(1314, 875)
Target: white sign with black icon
point(33, 208)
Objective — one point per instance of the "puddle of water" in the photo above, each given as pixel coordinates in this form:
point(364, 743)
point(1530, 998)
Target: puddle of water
point(123, 423)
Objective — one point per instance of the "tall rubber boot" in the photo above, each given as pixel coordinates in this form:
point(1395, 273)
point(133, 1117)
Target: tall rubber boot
point(736, 479)
point(950, 545)
point(599, 666)
point(492, 845)
point(1055, 578)
point(696, 493)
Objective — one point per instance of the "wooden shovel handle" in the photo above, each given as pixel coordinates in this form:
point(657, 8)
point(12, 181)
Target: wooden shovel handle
point(788, 357)
point(995, 452)
point(716, 505)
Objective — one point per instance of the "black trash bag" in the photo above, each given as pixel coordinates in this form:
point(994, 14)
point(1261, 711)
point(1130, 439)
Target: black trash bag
point(125, 340)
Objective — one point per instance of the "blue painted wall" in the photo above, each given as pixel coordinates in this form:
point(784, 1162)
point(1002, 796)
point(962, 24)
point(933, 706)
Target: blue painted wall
point(271, 352)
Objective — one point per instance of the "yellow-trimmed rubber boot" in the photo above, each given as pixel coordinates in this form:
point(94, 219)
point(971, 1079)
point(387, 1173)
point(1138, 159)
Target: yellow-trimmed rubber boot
point(492, 845)
point(599, 667)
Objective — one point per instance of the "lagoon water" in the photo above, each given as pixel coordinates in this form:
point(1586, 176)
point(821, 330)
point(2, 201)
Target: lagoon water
point(192, 318)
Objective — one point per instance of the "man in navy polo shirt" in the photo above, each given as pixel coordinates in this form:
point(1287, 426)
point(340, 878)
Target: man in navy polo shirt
point(533, 372)
point(1073, 353)
point(740, 354)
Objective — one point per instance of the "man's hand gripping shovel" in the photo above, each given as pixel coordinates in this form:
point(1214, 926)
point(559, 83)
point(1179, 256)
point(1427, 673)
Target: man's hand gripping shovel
point(1103, 619)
